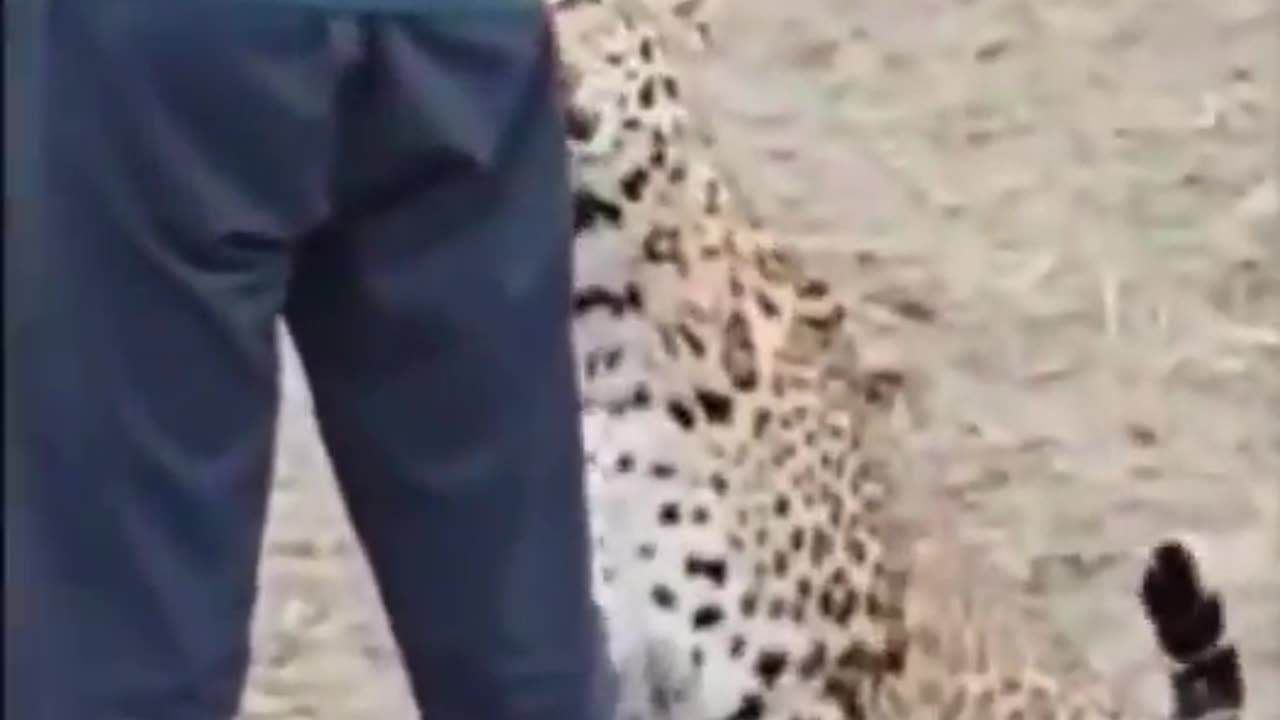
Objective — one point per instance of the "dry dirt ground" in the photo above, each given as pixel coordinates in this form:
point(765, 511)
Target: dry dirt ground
point(1061, 215)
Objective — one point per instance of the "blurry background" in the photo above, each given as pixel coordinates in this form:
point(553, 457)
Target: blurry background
point(1061, 216)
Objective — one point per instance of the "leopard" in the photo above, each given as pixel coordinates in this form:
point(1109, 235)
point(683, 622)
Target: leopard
point(749, 552)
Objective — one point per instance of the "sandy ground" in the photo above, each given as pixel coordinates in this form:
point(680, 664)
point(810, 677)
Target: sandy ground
point(1062, 215)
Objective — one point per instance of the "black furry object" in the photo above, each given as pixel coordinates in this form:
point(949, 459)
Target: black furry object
point(1189, 624)
point(1212, 684)
point(1187, 619)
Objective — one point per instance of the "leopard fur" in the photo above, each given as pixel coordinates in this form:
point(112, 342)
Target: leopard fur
point(739, 466)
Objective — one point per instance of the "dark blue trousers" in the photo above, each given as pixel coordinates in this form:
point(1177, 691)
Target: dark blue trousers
point(183, 173)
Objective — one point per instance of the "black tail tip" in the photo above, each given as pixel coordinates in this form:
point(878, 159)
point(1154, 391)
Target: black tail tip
point(1188, 619)
point(1189, 624)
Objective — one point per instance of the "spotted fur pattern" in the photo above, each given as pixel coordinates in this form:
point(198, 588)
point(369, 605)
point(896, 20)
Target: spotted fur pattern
point(739, 467)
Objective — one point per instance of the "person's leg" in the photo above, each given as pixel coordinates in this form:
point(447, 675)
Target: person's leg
point(434, 325)
point(166, 153)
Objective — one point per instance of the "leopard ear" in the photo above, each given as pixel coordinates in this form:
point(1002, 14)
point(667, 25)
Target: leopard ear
point(686, 22)
point(696, 17)
point(1190, 623)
